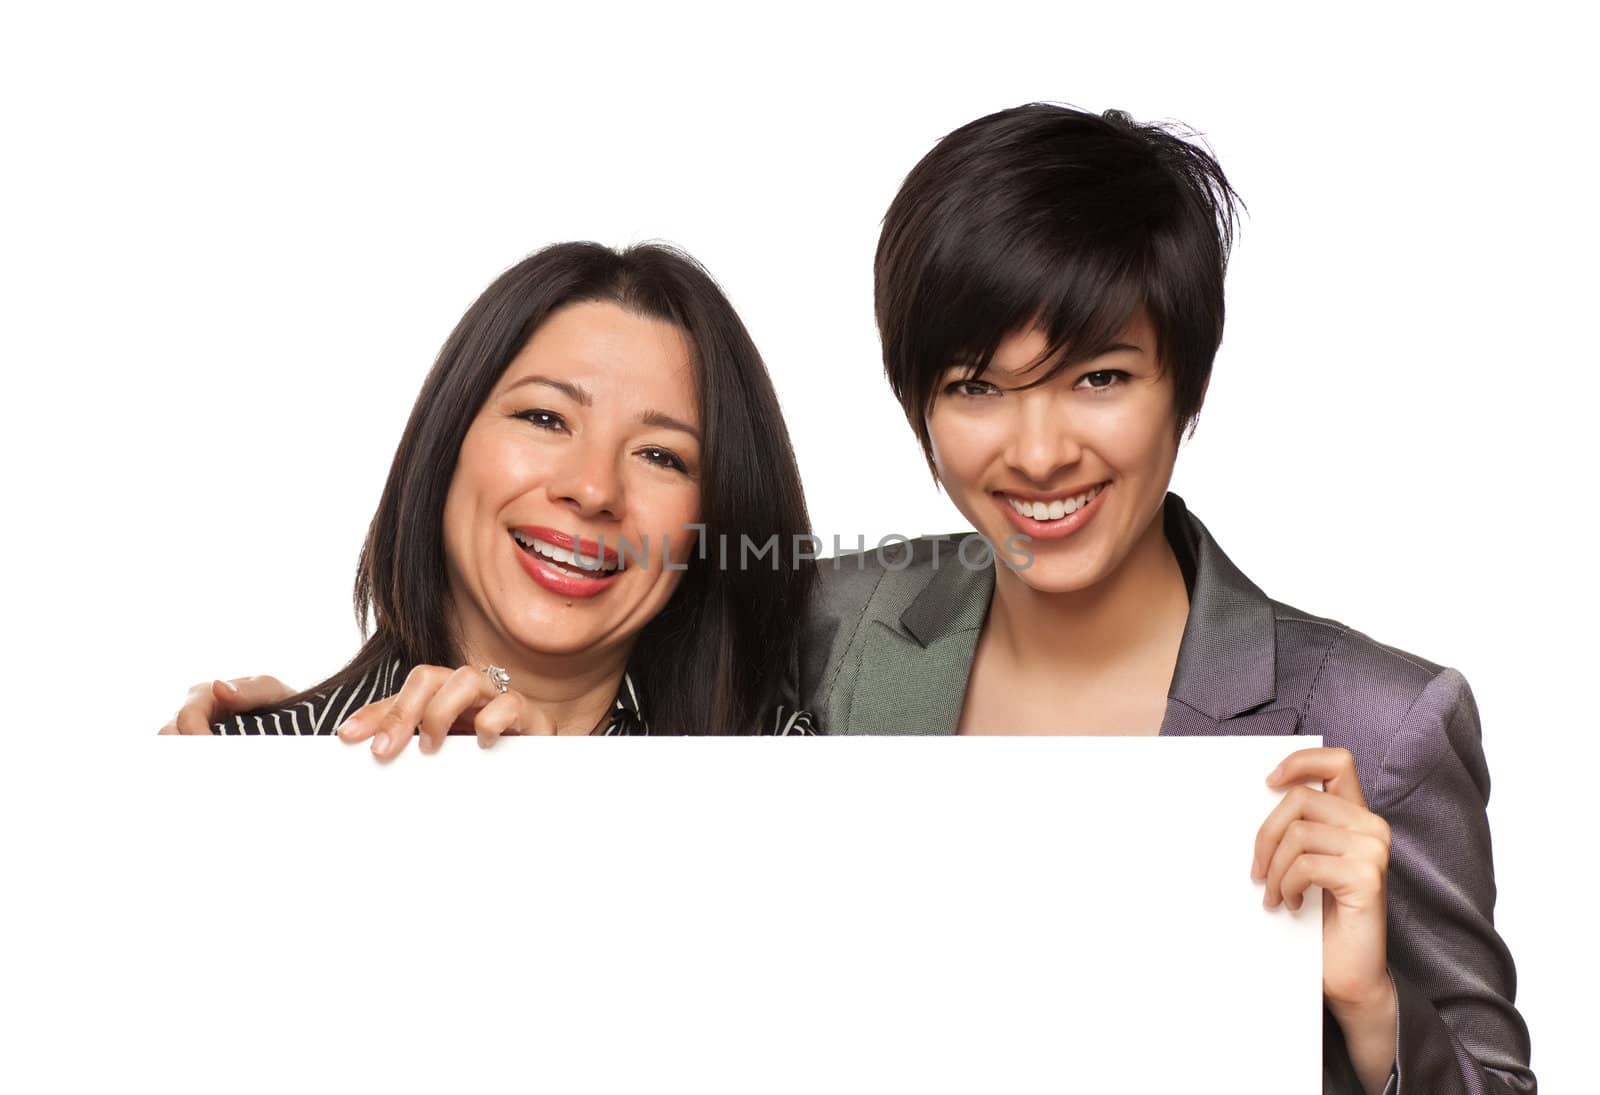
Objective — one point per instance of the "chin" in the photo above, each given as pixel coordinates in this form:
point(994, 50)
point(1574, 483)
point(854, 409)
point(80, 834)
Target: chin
point(552, 638)
point(1058, 576)
point(550, 627)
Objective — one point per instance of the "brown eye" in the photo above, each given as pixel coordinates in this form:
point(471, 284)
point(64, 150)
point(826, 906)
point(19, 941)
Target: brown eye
point(545, 420)
point(1102, 379)
point(664, 458)
point(971, 388)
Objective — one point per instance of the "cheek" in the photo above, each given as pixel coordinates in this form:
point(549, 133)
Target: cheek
point(1138, 439)
point(663, 510)
point(457, 519)
point(490, 472)
point(961, 447)
point(459, 530)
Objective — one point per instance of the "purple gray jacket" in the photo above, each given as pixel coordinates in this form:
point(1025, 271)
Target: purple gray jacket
point(889, 645)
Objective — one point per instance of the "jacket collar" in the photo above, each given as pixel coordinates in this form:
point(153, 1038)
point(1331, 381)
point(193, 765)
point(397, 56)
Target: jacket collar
point(955, 599)
point(1227, 662)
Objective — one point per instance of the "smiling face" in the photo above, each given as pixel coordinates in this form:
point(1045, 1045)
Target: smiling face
point(1080, 463)
point(590, 436)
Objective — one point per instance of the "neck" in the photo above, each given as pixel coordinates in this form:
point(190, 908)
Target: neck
point(569, 694)
point(1137, 607)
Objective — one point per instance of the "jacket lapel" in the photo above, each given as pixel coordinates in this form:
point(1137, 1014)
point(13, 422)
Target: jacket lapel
point(908, 688)
point(1226, 676)
point(1182, 720)
point(914, 670)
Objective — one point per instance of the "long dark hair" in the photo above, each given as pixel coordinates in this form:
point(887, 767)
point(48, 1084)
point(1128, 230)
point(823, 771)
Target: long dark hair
point(714, 659)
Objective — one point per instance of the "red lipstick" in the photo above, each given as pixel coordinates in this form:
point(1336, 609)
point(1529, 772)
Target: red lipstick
point(589, 548)
point(556, 577)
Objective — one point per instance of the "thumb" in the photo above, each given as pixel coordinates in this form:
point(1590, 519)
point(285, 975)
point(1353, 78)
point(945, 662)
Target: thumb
point(208, 703)
point(248, 693)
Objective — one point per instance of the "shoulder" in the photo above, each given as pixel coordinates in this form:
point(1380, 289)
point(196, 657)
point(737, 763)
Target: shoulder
point(881, 581)
point(1398, 713)
point(1318, 654)
point(911, 594)
point(310, 716)
point(892, 573)
point(293, 720)
point(790, 722)
point(318, 713)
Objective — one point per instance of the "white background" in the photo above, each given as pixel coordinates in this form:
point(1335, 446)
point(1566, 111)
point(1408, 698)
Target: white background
point(234, 240)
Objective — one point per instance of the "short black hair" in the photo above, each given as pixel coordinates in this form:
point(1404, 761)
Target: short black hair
point(1049, 216)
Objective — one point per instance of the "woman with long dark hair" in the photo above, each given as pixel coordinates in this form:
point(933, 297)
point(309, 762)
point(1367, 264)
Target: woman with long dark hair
point(1050, 299)
point(538, 562)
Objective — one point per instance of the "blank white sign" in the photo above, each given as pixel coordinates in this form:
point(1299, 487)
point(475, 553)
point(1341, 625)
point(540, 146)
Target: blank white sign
point(712, 916)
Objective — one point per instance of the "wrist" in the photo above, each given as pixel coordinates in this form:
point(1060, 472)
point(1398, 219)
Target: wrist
point(1370, 1023)
point(1375, 997)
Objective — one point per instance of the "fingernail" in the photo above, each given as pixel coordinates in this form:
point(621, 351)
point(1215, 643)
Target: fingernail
point(230, 686)
point(347, 726)
point(1294, 904)
point(380, 745)
point(1276, 772)
point(1255, 869)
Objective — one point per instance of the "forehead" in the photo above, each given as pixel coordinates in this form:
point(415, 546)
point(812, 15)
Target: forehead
point(613, 354)
point(1024, 351)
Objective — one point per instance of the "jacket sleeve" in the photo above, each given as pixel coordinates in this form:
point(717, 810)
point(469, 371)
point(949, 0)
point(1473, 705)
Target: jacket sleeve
point(1459, 1033)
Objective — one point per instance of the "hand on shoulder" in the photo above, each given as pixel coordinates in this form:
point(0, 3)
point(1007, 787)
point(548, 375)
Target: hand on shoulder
point(212, 701)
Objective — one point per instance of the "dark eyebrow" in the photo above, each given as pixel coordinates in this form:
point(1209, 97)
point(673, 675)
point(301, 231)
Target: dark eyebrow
point(582, 397)
point(1109, 348)
point(571, 391)
point(1119, 347)
point(1112, 348)
point(666, 421)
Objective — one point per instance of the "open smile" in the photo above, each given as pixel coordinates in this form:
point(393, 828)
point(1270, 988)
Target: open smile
point(1052, 518)
point(566, 565)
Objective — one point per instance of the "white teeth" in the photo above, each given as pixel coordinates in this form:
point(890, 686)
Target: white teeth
point(562, 555)
point(1055, 510)
point(550, 551)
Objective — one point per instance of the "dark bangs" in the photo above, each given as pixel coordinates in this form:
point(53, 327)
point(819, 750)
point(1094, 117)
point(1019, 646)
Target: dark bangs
point(1049, 217)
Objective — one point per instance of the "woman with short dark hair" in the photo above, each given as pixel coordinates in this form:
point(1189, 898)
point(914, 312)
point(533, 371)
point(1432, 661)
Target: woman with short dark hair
point(1050, 299)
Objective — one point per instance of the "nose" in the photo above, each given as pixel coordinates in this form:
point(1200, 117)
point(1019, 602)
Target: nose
point(1043, 440)
point(587, 481)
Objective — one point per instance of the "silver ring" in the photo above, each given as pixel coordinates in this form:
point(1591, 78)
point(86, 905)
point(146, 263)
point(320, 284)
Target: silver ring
point(498, 677)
